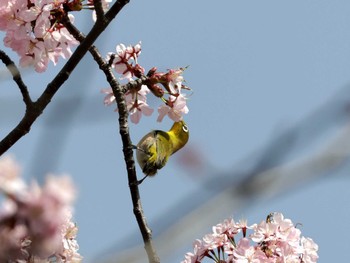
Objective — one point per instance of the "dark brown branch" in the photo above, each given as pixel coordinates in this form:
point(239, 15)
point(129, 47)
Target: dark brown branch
point(16, 75)
point(35, 110)
point(132, 178)
point(99, 9)
point(119, 92)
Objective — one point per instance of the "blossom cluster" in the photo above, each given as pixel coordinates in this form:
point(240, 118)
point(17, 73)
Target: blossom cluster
point(272, 241)
point(35, 222)
point(35, 32)
point(166, 85)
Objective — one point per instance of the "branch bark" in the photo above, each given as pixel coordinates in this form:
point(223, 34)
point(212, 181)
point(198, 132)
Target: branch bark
point(119, 91)
point(16, 75)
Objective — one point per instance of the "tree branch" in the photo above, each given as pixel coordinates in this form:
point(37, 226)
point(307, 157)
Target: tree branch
point(16, 77)
point(132, 178)
point(36, 108)
point(119, 91)
point(99, 9)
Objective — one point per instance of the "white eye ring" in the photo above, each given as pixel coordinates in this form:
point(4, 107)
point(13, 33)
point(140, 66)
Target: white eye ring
point(185, 128)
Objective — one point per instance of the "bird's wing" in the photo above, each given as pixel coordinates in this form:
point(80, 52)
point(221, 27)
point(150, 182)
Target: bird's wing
point(163, 146)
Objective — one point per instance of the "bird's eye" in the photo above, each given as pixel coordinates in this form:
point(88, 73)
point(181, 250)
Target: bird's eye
point(185, 128)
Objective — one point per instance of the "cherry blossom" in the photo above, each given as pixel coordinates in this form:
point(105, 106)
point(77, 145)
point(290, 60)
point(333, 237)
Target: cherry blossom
point(274, 240)
point(137, 105)
point(174, 107)
point(124, 58)
point(136, 102)
point(172, 80)
point(10, 181)
point(310, 249)
point(35, 223)
point(137, 108)
point(34, 31)
point(245, 253)
point(109, 98)
point(166, 86)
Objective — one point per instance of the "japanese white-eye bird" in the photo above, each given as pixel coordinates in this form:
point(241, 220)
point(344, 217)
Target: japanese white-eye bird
point(155, 148)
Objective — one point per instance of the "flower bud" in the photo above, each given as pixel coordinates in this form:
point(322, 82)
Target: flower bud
point(156, 90)
point(151, 72)
point(138, 71)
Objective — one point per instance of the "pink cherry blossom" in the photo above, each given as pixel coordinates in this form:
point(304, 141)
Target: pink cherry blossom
point(200, 251)
point(10, 181)
point(136, 102)
point(124, 59)
point(35, 223)
point(136, 110)
point(175, 108)
point(228, 227)
point(70, 245)
point(213, 241)
point(174, 80)
point(245, 253)
point(171, 80)
point(262, 231)
point(310, 250)
point(166, 86)
point(35, 32)
point(274, 240)
point(137, 105)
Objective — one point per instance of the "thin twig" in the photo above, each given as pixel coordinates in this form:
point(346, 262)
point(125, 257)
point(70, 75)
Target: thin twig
point(119, 92)
point(16, 77)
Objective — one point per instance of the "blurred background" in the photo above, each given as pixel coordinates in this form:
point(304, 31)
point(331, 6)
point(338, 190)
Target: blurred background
point(269, 125)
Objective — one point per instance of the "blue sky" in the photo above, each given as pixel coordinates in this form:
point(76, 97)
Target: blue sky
point(257, 68)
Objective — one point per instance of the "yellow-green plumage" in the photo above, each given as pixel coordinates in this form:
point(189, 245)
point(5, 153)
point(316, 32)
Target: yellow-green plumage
point(155, 147)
